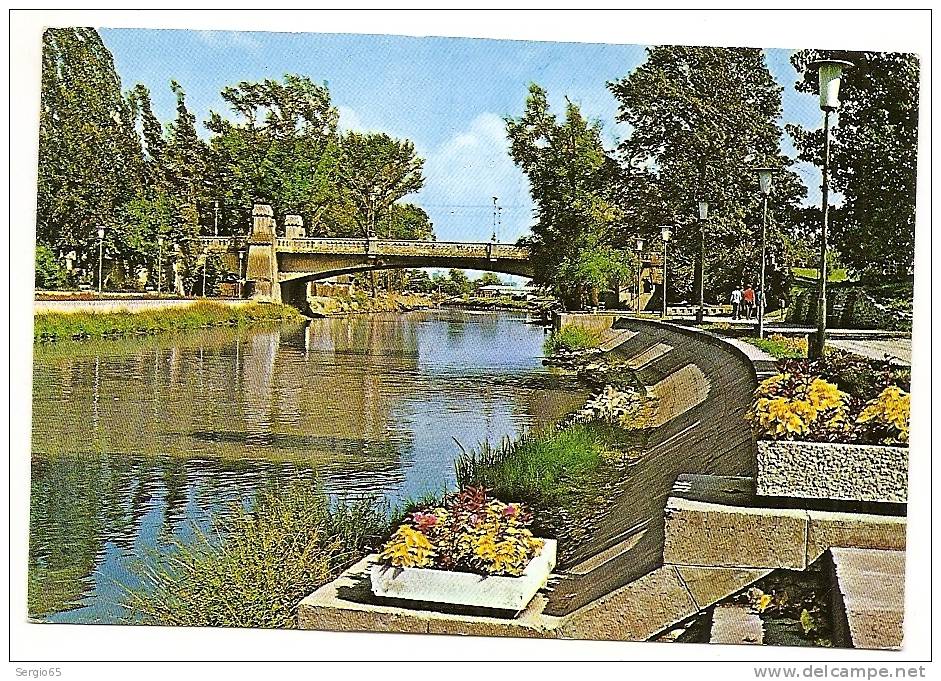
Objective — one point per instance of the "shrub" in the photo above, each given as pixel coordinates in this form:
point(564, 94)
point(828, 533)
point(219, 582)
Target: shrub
point(49, 273)
point(886, 418)
point(793, 406)
point(570, 338)
point(255, 566)
point(469, 532)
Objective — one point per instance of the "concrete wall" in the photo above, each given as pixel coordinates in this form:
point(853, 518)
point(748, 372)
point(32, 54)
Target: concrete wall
point(832, 470)
point(587, 320)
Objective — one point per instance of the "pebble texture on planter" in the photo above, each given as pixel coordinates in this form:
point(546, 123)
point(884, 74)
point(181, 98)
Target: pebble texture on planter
point(825, 470)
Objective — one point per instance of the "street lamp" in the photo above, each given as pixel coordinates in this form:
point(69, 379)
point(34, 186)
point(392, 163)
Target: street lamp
point(205, 263)
point(101, 252)
point(494, 236)
point(215, 221)
point(764, 182)
point(640, 243)
point(159, 264)
point(666, 233)
point(703, 207)
point(829, 73)
point(241, 259)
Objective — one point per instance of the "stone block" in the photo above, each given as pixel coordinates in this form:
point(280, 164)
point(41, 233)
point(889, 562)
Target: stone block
point(708, 585)
point(347, 604)
point(858, 530)
point(825, 470)
point(869, 597)
point(736, 625)
point(715, 535)
point(636, 611)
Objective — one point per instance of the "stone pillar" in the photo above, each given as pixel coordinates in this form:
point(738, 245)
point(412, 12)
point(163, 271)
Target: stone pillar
point(261, 273)
point(294, 227)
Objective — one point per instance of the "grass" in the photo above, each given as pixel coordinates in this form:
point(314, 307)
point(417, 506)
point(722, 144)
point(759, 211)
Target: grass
point(836, 274)
point(256, 566)
point(571, 337)
point(55, 326)
point(780, 347)
point(539, 469)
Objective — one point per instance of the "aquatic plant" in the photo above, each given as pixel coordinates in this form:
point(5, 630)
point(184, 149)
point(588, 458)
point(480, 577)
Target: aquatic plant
point(256, 565)
point(571, 338)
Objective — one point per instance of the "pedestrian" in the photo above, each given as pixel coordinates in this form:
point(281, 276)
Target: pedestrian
point(736, 299)
point(748, 299)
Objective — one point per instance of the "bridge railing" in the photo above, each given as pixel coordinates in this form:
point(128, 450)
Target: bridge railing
point(379, 247)
point(220, 243)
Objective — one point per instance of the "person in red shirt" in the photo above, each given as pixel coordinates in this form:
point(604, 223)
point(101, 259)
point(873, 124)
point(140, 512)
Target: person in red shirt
point(748, 300)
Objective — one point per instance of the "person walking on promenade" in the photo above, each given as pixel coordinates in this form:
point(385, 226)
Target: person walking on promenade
point(736, 300)
point(748, 298)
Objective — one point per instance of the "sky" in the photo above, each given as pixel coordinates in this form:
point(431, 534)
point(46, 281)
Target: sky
point(448, 95)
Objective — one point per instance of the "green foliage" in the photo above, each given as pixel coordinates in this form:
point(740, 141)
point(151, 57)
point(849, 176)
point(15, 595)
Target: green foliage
point(49, 273)
point(781, 347)
point(254, 568)
point(873, 154)
point(570, 338)
point(701, 118)
point(538, 469)
point(572, 180)
point(82, 325)
point(487, 279)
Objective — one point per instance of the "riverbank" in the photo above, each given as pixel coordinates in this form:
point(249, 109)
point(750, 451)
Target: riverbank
point(360, 302)
point(84, 324)
point(501, 303)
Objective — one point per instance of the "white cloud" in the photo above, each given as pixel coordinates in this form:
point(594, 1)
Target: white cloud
point(464, 173)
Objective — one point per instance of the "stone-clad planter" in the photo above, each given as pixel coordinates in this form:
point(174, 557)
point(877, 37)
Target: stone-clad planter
point(464, 588)
point(829, 470)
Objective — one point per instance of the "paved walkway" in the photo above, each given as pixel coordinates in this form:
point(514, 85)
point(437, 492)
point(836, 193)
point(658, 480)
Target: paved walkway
point(706, 433)
point(898, 350)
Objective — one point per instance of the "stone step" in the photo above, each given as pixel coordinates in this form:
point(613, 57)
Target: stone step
point(736, 625)
point(868, 589)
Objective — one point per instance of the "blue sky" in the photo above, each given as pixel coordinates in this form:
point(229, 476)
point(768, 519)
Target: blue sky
point(448, 95)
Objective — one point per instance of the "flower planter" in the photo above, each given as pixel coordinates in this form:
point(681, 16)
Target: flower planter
point(496, 592)
point(832, 470)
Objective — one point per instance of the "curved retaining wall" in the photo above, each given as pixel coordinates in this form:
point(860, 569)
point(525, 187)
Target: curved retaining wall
point(704, 386)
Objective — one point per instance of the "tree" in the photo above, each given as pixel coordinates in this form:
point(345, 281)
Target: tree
point(377, 170)
point(487, 279)
point(873, 153)
point(456, 284)
point(571, 179)
point(90, 158)
point(701, 119)
point(282, 148)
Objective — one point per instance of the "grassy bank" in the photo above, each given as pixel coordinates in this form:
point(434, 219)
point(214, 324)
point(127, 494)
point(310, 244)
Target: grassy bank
point(360, 301)
point(570, 338)
point(256, 566)
point(55, 326)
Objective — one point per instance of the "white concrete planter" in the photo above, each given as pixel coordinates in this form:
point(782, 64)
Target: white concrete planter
point(465, 588)
point(832, 470)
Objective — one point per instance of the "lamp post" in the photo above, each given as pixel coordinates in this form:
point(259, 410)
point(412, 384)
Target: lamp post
point(703, 207)
point(494, 235)
point(241, 259)
point(666, 233)
point(829, 73)
point(205, 263)
point(101, 252)
point(215, 219)
point(639, 243)
point(764, 182)
point(159, 264)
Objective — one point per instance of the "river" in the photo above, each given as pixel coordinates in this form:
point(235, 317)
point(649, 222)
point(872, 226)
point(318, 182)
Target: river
point(136, 442)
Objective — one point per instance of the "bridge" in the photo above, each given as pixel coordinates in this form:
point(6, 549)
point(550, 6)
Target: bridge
point(280, 268)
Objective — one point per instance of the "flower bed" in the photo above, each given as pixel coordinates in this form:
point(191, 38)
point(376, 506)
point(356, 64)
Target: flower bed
point(472, 550)
point(819, 440)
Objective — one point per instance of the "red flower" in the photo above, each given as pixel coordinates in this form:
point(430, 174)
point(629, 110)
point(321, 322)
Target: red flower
point(510, 511)
point(424, 521)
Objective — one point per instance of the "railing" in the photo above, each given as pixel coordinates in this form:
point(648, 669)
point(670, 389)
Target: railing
point(389, 247)
point(220, 243)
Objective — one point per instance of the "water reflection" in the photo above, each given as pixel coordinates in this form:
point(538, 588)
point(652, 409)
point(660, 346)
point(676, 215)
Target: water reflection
point(136, 440)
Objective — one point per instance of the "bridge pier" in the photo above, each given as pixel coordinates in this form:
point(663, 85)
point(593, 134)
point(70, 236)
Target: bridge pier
point(261, 273)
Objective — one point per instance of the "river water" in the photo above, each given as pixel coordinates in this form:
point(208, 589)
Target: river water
point(138, 441)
